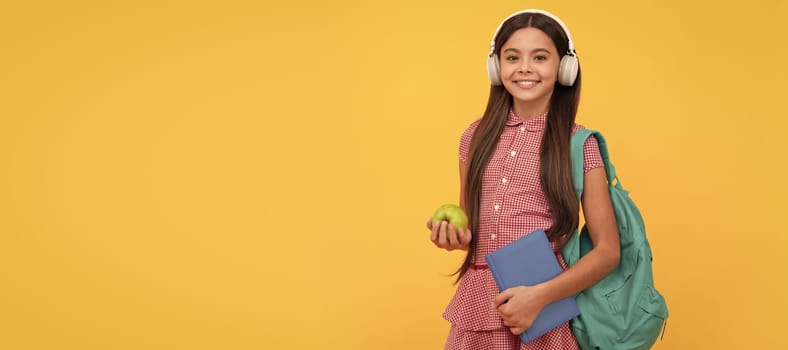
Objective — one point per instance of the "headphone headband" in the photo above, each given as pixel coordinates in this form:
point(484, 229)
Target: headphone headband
point(541, 12)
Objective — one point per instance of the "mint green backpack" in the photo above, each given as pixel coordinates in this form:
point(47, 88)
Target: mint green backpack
point(623, 310)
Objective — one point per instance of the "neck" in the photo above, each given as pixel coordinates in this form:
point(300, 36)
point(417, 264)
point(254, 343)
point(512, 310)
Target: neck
point(530, 110)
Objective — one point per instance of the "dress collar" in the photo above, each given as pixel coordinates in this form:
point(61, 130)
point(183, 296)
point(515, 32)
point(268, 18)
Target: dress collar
point(535, 124)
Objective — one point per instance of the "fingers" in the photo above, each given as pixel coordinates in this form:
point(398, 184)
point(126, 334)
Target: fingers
point(512, 324)
point(443, 235)
point(464, 237)
point(447, 236)
point(458, 237)
point(433, 231)
point(502, 298)
point(516, 324)
point(438, 233)
point(453, 233)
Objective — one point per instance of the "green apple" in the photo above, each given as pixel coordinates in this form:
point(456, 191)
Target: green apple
point(451, 213)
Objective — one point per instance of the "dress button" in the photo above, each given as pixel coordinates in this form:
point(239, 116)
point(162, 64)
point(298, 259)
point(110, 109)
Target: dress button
point(513, 153)
point(504, 180)
point(522, 128)
point(497, 207)
point(493, 236)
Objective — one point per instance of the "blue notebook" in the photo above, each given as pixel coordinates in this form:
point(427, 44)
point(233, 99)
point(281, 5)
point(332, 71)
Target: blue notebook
point(526, 262)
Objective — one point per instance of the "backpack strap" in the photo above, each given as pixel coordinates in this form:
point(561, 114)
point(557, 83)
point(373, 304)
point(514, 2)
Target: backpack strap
point(578, 141)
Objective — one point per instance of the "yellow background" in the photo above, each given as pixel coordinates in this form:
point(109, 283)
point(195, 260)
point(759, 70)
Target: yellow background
point(256, 175)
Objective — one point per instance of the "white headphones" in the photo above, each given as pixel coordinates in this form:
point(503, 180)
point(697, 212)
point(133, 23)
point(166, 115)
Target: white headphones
point(567, 69)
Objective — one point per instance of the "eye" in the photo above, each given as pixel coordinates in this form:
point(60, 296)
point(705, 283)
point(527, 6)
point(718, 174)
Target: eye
point(511, 58)
point(540, 58)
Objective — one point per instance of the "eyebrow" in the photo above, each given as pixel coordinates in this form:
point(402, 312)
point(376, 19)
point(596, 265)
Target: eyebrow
point(532, 51)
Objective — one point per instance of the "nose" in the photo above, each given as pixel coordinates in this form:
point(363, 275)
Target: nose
point(525, 67)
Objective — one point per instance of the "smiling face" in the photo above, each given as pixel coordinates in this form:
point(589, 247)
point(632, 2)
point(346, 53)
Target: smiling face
point(529, 70)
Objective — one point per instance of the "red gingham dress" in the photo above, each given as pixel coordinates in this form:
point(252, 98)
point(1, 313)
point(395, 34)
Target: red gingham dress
point(512, 204)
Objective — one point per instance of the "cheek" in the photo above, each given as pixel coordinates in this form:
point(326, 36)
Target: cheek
point(506, 68)
point(553, 70)
point(548, 73)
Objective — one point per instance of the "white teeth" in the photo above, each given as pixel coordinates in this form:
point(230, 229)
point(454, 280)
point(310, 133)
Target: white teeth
point(526, 83)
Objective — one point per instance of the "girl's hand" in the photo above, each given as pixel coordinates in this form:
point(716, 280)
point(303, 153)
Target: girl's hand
point(519, 307)
point(445, 235)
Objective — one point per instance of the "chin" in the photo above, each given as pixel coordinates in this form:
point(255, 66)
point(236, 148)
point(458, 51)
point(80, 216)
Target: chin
point(530, 98)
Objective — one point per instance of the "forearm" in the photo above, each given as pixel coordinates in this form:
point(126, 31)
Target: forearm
point(603, 233)
point(589, 270)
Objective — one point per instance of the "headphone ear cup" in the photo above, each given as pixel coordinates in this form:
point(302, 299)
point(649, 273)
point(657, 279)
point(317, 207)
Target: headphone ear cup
point(567, 70)
point(494, 69)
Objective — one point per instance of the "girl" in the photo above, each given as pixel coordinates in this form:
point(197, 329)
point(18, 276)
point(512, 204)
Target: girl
point(515, 176)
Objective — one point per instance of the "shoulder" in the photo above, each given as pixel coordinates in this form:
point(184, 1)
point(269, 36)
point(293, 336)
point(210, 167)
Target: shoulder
point(465, 139)
point(467, 135)
point(578, 127)
point(592, 157)
point(472, 127)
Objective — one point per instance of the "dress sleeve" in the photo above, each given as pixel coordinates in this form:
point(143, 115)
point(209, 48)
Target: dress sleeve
point(592, 158)
point(465, 141)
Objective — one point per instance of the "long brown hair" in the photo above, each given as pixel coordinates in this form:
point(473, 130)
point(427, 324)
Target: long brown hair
point(556, 174)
